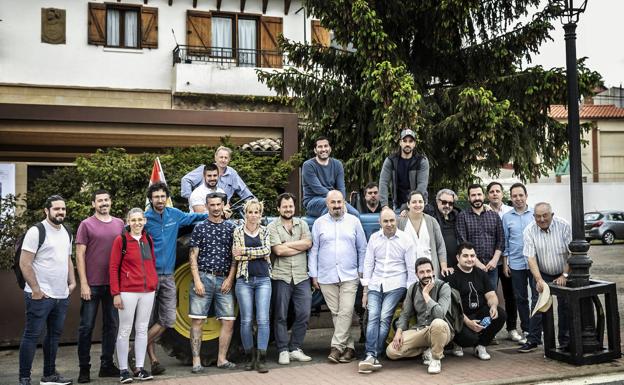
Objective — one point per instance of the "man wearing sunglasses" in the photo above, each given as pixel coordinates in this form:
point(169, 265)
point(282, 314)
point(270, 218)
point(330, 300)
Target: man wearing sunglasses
point(445, 212)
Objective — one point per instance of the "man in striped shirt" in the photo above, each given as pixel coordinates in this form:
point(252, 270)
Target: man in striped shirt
point(546, 246)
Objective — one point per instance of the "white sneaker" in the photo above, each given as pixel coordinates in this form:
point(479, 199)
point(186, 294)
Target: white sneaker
point(514, 335)
point(435, 367)
point(367, 365)
point(377, 365)
point(284, 358)
point(457, 351)
point(299, 355)
point(480, 352)
point(427, 357)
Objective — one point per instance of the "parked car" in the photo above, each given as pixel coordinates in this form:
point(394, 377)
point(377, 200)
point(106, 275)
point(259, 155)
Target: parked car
point(605, 225)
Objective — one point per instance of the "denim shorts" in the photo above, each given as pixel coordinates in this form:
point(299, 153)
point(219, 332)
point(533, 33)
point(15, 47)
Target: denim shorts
point(223, 303)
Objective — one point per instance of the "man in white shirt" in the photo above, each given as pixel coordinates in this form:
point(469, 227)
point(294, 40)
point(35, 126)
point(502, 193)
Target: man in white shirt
point(388, 272)
point(197, 200)
point(49, 274)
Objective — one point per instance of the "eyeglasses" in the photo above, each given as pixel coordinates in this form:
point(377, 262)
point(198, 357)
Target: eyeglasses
point(446, 203)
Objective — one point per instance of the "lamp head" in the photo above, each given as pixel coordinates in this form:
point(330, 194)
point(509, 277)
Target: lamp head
point(571, 10)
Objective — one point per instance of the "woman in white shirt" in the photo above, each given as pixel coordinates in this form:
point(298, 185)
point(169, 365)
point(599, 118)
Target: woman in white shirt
point(425, 232)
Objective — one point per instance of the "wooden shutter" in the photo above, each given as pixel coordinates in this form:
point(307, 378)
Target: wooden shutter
point(97, 24)
point(198, 32)
point(149, 27)
point(270, 29)
point(320, 35)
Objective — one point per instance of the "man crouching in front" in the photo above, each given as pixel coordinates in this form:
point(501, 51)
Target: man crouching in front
point(428, 300)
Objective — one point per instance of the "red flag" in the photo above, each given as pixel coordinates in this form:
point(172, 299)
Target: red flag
point(158, 175)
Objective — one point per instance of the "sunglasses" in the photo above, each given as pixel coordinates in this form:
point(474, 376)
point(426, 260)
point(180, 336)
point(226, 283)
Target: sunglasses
point(446, 203)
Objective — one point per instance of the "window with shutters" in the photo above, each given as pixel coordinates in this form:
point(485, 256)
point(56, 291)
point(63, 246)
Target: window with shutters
point(123, 26)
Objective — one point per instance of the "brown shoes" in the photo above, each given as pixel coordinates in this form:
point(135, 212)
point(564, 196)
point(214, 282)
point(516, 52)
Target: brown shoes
point(347, 356)
point(334, 355)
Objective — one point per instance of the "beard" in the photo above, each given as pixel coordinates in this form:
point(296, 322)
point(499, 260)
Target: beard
point(424, 281)
point(56, 220)
point(476, 203)
point(287, 216)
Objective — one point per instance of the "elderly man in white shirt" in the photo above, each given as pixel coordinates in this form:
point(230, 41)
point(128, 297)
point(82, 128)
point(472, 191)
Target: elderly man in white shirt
point(388, 271)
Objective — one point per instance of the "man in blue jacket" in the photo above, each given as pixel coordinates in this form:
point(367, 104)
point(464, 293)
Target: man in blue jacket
point(163, 224)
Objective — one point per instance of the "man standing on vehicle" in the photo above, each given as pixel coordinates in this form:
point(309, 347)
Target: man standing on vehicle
point(94, 240)
point(290, 241)
point(335, 264)
point(163, 224)
point(213, 271)
point(197, 200)
point(49, 274)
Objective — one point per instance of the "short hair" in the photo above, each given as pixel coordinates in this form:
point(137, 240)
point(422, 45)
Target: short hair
point(157, 186)
point(216, 194)
point(546, 204)
point(473, 186)
point(285, 196)
point(318, 139)
point(465, 245)
point(253, 202)
point(135, 210)
point(52, 198)
point(223, 148)
point(211, 167)
point(99, 192)
point(516, 185)
point(447, 191)
point(370, 185)
point(415, 192)
point(492, 184)
point(422, 261)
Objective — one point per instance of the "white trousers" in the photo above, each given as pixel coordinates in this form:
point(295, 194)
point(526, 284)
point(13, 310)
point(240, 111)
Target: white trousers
point(141, 304)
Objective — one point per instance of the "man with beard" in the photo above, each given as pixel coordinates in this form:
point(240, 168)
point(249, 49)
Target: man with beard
point(213, 270)
point(197, 200)
point(371, 199)
point(429, 300)
point(48, 271)
point(335, 265)
point(406, 171)
point(444, 211)
point(388, 272)
point(290, 241)
point(94, 240)
point(484, 229)
point(163, 224)
point(479, 302)
point(320, 175)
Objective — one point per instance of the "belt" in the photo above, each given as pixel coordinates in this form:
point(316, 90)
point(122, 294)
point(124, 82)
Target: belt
point(215, 273)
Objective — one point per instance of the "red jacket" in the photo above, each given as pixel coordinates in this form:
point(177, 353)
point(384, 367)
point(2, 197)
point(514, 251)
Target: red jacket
point(138, 268)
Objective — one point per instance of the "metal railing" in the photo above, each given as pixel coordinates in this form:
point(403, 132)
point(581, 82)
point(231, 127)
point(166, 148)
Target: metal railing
point(228, 57)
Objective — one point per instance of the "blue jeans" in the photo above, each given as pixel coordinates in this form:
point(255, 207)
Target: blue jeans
point(300, 295)
point(223, 303)
point(110, 321)
point(521, 280)
point(563, 334)
point(257, 290)
point(317, 207)
point(43, 313)
point(493, 277)
point(381, 307)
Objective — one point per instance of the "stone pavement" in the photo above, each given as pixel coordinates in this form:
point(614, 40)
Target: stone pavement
point(505, 367)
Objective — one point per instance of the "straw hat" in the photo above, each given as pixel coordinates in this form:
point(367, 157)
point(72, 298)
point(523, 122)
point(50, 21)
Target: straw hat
point(544, 302)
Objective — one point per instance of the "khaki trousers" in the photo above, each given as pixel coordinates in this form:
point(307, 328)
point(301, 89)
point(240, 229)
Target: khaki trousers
point(340, 298)
point(435, 336)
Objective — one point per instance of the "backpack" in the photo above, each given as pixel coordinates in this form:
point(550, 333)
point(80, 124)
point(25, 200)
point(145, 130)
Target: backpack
point(21, 282)
point(455, 314)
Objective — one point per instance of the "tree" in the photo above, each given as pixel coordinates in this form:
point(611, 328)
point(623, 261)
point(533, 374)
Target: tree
point(449, 69)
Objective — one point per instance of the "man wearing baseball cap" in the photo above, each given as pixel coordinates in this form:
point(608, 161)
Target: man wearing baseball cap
point(403, 172)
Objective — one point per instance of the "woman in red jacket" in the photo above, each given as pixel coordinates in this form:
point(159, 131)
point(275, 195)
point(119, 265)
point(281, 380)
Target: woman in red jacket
point(133, 280)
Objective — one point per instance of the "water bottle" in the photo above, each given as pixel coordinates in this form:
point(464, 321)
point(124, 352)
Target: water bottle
point(485, 322)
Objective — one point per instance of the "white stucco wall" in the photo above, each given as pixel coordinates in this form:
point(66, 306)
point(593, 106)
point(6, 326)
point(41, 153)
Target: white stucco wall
point(24, 59)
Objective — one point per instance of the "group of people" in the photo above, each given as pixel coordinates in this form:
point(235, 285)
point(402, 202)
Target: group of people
point(432, 257)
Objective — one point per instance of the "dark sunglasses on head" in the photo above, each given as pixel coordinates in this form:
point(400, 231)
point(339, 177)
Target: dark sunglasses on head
point(446, 203)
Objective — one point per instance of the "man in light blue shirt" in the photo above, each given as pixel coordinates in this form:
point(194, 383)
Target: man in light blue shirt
point(229, 180)
point(515, 263)
point(335, 264)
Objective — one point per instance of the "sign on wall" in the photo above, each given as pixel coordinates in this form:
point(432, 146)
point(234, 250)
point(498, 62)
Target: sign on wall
point(7, 179)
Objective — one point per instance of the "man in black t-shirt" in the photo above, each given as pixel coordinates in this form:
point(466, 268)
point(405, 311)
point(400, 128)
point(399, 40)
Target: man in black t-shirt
point(479, 303)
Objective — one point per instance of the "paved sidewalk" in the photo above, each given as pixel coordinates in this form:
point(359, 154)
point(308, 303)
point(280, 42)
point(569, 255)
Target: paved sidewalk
point(505, 367)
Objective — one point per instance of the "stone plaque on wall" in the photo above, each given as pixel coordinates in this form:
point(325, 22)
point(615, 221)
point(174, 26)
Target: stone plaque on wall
point(52, 25)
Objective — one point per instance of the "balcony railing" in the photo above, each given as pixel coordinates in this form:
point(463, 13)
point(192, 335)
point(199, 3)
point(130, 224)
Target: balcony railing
point(227, 57)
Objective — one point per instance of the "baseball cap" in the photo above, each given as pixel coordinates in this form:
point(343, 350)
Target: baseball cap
point(408, 132)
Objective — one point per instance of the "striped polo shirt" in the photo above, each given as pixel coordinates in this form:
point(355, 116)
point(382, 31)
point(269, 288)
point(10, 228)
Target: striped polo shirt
point(549, 247)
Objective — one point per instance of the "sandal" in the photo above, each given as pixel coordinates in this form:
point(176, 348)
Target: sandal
point(227, 365)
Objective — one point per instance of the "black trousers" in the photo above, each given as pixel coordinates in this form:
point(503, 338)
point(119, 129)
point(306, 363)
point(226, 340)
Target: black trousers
point(468, 338)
